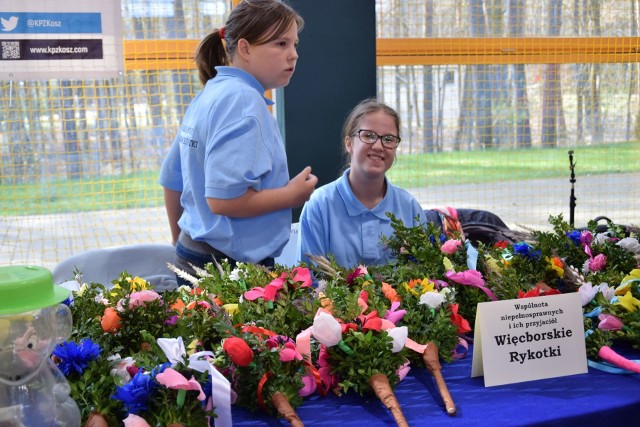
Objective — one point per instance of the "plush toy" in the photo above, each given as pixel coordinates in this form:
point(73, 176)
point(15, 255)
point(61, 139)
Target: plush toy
point(33, 391)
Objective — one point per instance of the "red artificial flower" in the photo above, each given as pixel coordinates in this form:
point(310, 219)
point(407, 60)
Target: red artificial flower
point(502, 244)
point(238, 351)
point(541, 289)
point(461, 323)
point(371, 321)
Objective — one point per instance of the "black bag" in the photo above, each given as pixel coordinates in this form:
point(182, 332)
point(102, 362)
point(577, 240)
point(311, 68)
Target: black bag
point(476, 224)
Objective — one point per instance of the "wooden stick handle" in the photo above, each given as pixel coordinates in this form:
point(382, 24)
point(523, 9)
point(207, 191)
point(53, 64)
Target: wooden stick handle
point(432, 361)
point(284, 408)
point(381, 387)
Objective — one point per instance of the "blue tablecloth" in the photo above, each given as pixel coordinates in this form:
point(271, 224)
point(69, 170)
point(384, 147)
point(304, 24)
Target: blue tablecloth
point(597, 398)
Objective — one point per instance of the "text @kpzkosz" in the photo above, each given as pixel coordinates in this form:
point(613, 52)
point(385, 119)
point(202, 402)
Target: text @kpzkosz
point(525, 319)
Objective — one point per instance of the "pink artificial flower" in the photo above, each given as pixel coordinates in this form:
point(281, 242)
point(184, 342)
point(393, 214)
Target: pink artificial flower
point(451, 246)
point(133, 420)
point(393, 314)
point(403, 370)
point(270, 292)
point(586, 238)
point(173, 379)
point(289, 352)
point(309, 386)
point(468, 277)
point(324, 369)
point(610, 322)
point(358, 272)
point(140, 298)
point(598, 263)
point(254, 293)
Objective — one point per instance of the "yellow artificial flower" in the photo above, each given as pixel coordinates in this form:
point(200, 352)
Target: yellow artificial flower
point(231, 309)
point(409, 288)
point(556, 265)
point(629, 302)
point(493, 264)
point(82, 289)
point(191, 348)
point(138, 283)
point(628, 280)
point(448, 265)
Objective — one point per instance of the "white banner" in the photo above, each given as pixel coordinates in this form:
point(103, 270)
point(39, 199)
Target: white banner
point(60, 39)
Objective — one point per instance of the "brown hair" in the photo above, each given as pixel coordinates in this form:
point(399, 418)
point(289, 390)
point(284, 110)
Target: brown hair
point(352, 123)
point(257, 21)
point(369, 105)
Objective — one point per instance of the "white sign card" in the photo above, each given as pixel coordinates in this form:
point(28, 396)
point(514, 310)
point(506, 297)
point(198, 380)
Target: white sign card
point(60, 39)
point(529, 339)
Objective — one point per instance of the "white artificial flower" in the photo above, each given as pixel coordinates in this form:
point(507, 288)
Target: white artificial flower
point(432, 299)
point(631, 244)
point(326, 329)
point(235, 274)
point(607, 291)
point(587, 292)
point(399, 335)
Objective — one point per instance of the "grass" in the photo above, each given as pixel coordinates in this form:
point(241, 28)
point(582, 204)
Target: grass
point(142, 190)
point(486, 166)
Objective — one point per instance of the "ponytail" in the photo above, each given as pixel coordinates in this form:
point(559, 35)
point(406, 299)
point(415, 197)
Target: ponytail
point(210, 54)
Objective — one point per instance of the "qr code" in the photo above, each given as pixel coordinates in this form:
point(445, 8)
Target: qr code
point(10, 50)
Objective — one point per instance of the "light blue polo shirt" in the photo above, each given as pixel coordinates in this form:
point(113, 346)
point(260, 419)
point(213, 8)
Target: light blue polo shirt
point(334, 222)
point(229, 142)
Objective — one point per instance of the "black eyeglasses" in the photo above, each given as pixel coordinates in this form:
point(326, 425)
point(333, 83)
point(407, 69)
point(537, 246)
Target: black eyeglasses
point(370, 137)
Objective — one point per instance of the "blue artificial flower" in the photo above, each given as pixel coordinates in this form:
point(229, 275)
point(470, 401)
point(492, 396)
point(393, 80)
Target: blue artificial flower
point(443, 238)
point(574, 236)
point(525, 250)
point(136, 394)
point(76, 357)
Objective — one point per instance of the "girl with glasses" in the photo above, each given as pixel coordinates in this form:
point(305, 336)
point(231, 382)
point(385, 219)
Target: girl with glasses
point(225, 178)
point(346, 217)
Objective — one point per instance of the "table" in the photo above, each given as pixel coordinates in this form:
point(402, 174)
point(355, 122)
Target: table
point(597, 398)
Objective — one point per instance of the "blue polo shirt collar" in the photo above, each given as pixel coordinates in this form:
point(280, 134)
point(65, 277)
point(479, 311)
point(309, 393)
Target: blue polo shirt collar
point(248, 78)
point(354, 206)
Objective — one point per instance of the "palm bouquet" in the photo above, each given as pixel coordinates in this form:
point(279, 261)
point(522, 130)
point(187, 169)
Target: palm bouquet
point(446, 259)
point(117, 370)
point(265, 371)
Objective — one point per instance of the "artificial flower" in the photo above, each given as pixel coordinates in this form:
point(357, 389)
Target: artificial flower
point(597, 263)
point(610, 322)
point(393, 314)
point(451, 246)
point(140, 298)
point(326, 329)
point(629, 302)
point(432, 299)
point(74, 357)
point(461, 323)
point(171, 378)
point(135, 394)
point(630, 243)
point(399, 336)
point(587, 292)
point(111, 321)
point(238, 351)
point(390, 293)
point(133, 420)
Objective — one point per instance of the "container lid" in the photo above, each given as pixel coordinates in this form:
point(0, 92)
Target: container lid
point(26, 288)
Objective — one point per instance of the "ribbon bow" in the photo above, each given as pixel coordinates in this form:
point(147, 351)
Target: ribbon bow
point(175, 351)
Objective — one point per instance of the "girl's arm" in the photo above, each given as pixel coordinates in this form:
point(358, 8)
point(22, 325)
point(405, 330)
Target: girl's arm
point(174, 211)
point(254, 203)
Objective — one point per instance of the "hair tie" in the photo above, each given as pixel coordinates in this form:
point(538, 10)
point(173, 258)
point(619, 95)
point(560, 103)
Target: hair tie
point(221, 33)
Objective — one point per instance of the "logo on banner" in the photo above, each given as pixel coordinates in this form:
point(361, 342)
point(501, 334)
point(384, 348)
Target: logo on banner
point(9, 24)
